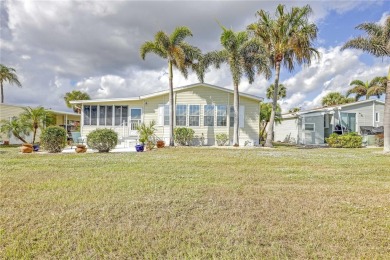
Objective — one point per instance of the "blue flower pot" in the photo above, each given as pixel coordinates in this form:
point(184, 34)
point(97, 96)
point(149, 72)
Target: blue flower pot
point(139, 147)
point(36, 147)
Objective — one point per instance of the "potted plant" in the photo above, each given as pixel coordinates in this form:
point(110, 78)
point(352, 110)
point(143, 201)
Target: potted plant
point(81, 148)
point(26, 148)
point(160, 144)
point(36, 147)
point(140, 147)
point(146, 135)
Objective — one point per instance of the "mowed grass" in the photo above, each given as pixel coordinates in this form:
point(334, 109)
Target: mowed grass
point(178, 203)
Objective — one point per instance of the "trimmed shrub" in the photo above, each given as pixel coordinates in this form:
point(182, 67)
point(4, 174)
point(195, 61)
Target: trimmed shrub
point(379, 140)
point(184, 135)
point(53, 139)
point(349, 140)
point(222, 139)
point(102, 140)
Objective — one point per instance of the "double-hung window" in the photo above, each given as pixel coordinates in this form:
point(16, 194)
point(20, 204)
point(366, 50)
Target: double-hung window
point(221, 115)
point(209, 115)
point(121, 113)
point(181, 115)
point(194, 115)
point(90, 115)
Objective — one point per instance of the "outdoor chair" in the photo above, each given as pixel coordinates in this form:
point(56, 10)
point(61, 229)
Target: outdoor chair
point(76, 139)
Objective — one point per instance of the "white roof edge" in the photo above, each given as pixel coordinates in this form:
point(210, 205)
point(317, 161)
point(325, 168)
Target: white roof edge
point(155, 94)
point(47, 109)
point(325, 109)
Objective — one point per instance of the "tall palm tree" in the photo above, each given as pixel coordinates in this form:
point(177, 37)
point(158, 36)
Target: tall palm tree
point(178, 53)
point(288, 40)
point(281, 94)
point(265, 116)
point(375, 87)
point(37, 117)
point(377, 43)
point(244, 56)
point(75, 95)
point(336, 98)
point(15, 127)
point(8, 74)
point(378, 88)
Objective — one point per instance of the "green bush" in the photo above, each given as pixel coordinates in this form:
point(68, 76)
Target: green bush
point(222, 139)
point(146, 134)
point(349, 140)
point(53, 139)
point(183, 135)
point(102, 140)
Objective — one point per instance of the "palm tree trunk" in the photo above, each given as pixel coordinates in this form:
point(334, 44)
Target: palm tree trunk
point(270, 132)
point(35, 133)
point(236, 102)
point(2, 92)
point(386, 119)
point(19, 137)
point(171, 105)
point(263, 130)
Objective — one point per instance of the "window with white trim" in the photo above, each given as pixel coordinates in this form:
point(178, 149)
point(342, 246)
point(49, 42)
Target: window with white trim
point(181, 115)
point(310, 127)
point(376, 116)
point(221, 115)
point(194, 115)
point(208, 115)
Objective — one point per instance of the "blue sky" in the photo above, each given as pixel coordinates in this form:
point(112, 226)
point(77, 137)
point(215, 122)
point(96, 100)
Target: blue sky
point(93, 46)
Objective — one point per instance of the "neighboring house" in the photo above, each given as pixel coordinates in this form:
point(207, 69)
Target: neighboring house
point(313, 126)
point(205, 108)
point(8, 111)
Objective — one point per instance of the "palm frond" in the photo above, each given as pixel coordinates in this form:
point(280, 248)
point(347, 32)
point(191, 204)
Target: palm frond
point(179, 34)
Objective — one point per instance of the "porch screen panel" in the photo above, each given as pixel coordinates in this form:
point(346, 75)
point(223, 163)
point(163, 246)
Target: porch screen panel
point(102, 115)
point(108, 115)
point(124, 115)
point(87, 115)
point(93, 115)
point(348, 121)
point(118, 110)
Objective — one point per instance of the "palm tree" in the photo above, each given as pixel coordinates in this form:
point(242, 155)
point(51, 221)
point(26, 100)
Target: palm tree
point(281, 94)
point(244, 56)
point(294, 110)
point(265, 116)
point(378, 88)
point(75, 95)
point(178, 53)
point(8, 74)
point(37, 118)
point(15, 127)
point(336, 98)
point(288, 40)
point(377, 43)
point(375, 87)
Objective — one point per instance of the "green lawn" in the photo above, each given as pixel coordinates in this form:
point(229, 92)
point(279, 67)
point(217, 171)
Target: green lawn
point(196, 203)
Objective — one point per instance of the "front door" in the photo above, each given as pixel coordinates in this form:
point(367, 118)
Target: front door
point(134, 120)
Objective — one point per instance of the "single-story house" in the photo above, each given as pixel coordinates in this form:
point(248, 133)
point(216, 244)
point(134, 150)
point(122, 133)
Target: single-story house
point(311, 127)
point(205, 108)
point(67, 120)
